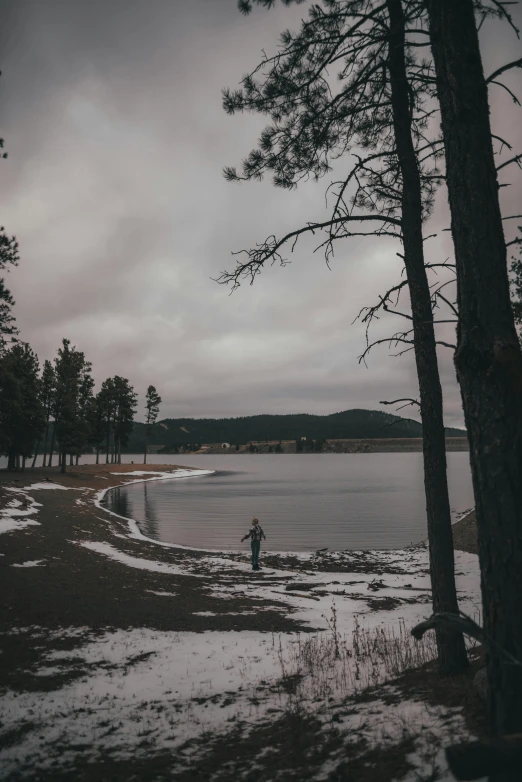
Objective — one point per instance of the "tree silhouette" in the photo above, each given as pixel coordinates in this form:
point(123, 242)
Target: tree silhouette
point(488, 358)
point(22, 416)
point(382, 105)
point(152, 403)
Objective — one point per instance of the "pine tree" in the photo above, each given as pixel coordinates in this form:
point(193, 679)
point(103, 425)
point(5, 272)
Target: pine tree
point(8, 257)
point(124, 409)
point(97, 423)
point(73, 389)
point(106, 404)
point(8, 329)
point(382, 104)
point(152, 403)
point(488, 358)
point(47, 389)
point(22, 417)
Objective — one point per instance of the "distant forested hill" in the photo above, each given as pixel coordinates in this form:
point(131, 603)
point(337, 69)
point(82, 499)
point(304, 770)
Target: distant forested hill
point(350, 424)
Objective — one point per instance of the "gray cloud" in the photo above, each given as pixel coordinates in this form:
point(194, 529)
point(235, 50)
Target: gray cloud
point(113, 186)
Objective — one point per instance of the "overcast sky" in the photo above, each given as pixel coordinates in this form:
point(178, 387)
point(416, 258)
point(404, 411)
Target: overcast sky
point(112, 118)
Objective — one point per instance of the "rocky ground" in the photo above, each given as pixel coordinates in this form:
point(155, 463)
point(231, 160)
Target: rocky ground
point(125, 659)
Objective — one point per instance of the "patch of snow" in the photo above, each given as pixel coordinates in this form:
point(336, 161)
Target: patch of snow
point(171, 687)
point(49, 485)
point(30, 563)
point(14, 516)
point(136, 562)
point(162, 594)
point(158, 475)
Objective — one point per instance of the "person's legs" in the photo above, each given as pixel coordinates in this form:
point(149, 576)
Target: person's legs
point(253, 547)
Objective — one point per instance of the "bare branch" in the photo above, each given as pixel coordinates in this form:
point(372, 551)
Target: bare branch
point(405, 399)
point(447, 301)
point(515, 159)
point(503, 69)
point(269, 249)
point(446, 344)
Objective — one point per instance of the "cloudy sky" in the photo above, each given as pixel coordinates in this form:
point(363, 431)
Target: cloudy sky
point(112, 117)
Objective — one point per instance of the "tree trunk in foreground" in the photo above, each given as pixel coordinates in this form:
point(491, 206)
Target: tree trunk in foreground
point(35, 454)
point(488, 358)
point(63, 462)
point(452, 657)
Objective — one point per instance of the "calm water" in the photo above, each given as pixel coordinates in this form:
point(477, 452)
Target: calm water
point(304, 502)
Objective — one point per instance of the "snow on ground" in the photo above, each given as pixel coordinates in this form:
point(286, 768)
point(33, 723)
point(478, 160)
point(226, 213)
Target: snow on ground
point(167, 686)
point(15, 515)
point(135, 562)
point(403, 595)
point(159, 475)
point(50, 485)
point(30, 563)
point(142, 690)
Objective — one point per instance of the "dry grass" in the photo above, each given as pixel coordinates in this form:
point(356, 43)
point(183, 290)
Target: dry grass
point(325, 666)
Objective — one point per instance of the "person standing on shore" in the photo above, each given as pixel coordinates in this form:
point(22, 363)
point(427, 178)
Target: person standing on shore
point(255, 533)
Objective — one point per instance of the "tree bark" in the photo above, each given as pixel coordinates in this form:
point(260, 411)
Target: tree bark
point(108, 442)
point(63, 462)
point(35, 454)
point(452, 657)
point(45, 441)
point(146, 443)
point(51, 448)
point(97, 455)
point(488, 358)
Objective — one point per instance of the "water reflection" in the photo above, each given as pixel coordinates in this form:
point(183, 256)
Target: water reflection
point(118, 501)
point(149, 526)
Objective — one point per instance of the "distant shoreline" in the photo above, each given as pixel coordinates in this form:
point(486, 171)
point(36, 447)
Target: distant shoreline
point(363, 445)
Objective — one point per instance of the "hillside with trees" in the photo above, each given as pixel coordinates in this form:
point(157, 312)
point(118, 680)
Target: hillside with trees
point(349, 424)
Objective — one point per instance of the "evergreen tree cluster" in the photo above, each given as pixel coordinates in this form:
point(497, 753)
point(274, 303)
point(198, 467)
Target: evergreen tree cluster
point(55, 409)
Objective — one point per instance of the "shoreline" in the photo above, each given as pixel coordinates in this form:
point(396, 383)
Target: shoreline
point(91, 612)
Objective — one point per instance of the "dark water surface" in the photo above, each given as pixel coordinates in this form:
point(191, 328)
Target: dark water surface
point(304, 501)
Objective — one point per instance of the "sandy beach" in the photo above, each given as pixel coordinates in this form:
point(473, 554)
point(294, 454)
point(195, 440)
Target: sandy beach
point(124, 658)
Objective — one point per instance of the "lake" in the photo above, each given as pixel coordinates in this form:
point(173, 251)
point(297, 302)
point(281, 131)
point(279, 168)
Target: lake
point(303, 501)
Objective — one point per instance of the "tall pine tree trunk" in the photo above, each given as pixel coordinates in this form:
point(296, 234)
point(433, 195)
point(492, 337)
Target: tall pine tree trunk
point(97, 455)
point(488, 358)
point(51, 447)
point(71, 460)
point(45, 441)
point(35, 453)
point(77, 459)
point(63, 462)
point(452, 657)
point(146, 443)
point(107, 451)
